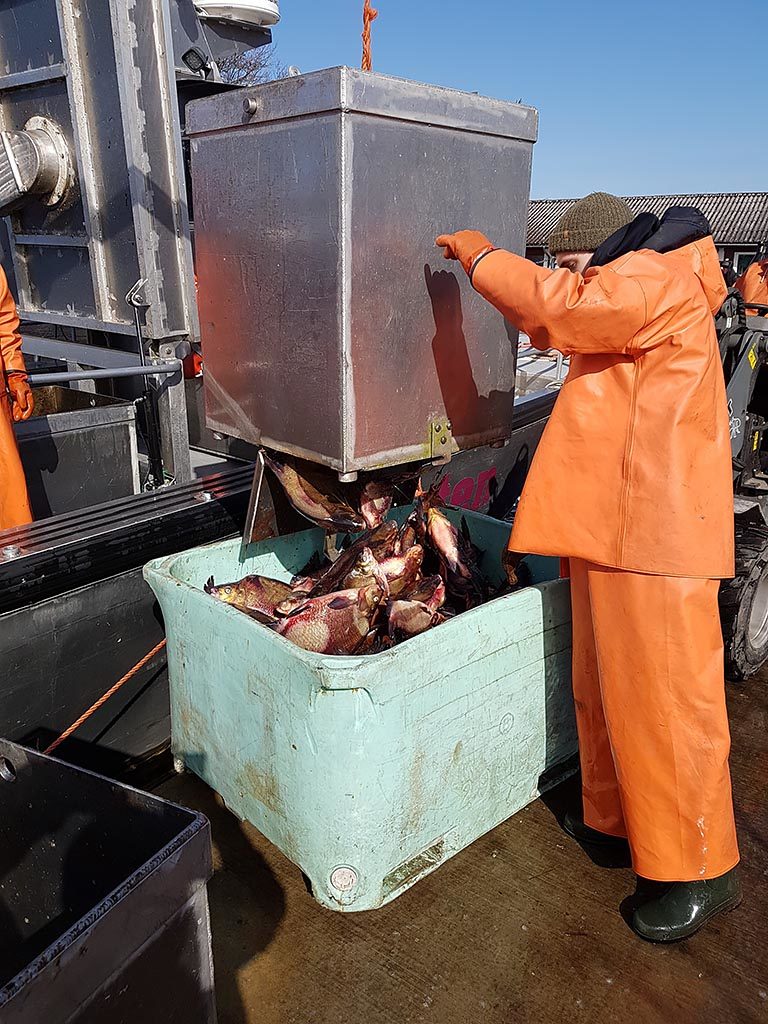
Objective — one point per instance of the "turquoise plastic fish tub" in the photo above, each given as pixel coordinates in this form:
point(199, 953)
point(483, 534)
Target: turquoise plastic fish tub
point(368, 772)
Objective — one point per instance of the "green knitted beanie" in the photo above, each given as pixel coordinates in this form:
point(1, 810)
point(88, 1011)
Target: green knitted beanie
point(588, 223)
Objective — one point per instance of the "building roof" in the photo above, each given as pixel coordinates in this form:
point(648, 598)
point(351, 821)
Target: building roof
point(736, 217)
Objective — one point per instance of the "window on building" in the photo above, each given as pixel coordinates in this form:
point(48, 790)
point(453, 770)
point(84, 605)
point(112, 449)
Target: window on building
point(741, 261)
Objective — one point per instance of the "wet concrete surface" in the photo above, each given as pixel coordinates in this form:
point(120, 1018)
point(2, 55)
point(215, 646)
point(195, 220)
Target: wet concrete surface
point(523, 926)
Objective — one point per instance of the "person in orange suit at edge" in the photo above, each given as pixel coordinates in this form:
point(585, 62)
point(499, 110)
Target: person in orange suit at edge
point(16, 404)
point(753, 283)
point(631, 483)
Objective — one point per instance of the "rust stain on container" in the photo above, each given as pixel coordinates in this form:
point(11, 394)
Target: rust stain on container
point(264, 526)
point(416, 791)
point(193, 724)
point(263, 786)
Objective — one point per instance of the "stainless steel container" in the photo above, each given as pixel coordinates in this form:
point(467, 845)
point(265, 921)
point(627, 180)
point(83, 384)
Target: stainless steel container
point(78, 450)
point(332, 327)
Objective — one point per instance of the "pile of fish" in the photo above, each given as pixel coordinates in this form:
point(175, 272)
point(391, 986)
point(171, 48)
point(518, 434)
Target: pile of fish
point(387, 584)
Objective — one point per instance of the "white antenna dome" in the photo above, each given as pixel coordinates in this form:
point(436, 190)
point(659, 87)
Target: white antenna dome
point(263, 13)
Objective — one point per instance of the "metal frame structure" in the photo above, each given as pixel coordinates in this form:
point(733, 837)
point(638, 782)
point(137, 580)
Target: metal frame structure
point(103, 71)
point(112, 364)
point(141, 96)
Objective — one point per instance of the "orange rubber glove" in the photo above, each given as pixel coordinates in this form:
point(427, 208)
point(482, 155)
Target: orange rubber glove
point(22, 402)
point(465, 246)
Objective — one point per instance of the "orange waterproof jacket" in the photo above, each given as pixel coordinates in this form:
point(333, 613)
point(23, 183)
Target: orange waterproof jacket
point(14, 503)
point(634, 468)
point(753, 283)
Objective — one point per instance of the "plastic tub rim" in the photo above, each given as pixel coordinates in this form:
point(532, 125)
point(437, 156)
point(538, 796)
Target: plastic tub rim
point(347, 662)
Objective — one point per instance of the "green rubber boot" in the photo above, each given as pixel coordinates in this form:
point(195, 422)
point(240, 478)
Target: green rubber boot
point(685, 907)
point(582, 833)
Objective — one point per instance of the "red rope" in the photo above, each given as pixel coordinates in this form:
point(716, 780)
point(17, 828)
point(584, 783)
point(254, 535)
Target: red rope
point(369, 15)
point(105, 697)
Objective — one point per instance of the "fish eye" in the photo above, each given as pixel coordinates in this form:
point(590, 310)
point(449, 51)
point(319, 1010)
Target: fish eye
point(227, 590)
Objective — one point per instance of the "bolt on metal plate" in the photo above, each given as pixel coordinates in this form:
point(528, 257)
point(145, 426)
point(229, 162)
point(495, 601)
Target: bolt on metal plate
point(440, 439)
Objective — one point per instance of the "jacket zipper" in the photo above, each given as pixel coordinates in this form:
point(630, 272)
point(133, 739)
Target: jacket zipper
point(628, 449)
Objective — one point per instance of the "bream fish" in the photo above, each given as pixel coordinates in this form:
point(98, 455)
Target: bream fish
point(381, 541)
point(337, 623)
point(375, 502)
point(330, 513)
point(418, 609)
point(251, 594)
point(457, 559)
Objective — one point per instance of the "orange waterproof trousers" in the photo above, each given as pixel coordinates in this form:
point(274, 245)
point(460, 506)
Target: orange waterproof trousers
point(14, 502)
point(649, 690)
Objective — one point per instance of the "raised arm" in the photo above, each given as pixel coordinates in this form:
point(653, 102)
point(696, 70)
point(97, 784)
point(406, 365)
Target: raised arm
point(600, 312)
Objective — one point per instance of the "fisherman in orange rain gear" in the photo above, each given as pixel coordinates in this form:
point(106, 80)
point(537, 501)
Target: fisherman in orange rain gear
point(16, 404)
point(632, 484)
point(753, 284)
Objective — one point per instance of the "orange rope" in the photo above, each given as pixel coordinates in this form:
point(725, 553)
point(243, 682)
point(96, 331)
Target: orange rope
point(105, 697)
point(369, 15)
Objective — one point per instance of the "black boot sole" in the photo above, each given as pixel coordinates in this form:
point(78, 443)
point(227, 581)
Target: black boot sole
point(600, 839)
point(725, 908)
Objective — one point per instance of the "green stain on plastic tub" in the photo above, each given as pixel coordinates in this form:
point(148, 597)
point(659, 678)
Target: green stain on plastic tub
point(368, 772)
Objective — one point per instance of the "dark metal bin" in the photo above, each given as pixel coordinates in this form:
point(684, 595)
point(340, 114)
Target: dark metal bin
point(103, 902)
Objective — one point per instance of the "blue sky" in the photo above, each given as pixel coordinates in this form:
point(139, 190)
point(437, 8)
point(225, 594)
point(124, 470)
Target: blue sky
point(634, 96)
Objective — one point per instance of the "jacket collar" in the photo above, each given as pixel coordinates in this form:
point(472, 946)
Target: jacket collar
point(680, 226)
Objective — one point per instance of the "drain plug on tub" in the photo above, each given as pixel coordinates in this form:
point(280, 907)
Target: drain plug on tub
point(343, 879)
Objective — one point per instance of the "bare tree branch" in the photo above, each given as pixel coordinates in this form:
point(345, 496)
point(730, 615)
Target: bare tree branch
point(252, 67)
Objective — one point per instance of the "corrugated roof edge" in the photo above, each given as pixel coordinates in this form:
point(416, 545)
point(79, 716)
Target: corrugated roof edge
point(736, 217)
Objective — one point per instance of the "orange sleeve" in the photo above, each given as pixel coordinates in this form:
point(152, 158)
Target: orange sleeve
point(753, 283)
point(11, 358)
point(600, 312)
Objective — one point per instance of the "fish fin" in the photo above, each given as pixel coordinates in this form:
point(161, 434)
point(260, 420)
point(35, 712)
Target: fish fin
point(209, 585)
point(294, 611)
point(262, 617)
point(338, 603)
point(347, 521)
point(382, 582)
point(364, 640)
point(465, 530)
point(274, 465)
point(431, 498)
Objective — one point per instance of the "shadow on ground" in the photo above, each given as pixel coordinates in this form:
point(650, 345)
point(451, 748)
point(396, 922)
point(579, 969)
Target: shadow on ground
point(246, 900)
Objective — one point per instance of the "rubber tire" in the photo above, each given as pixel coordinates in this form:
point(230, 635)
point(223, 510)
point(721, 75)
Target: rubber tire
point(742, 658)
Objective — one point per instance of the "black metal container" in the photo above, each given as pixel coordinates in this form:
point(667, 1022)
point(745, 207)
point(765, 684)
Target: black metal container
point(103, 902)
point(75, 614)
